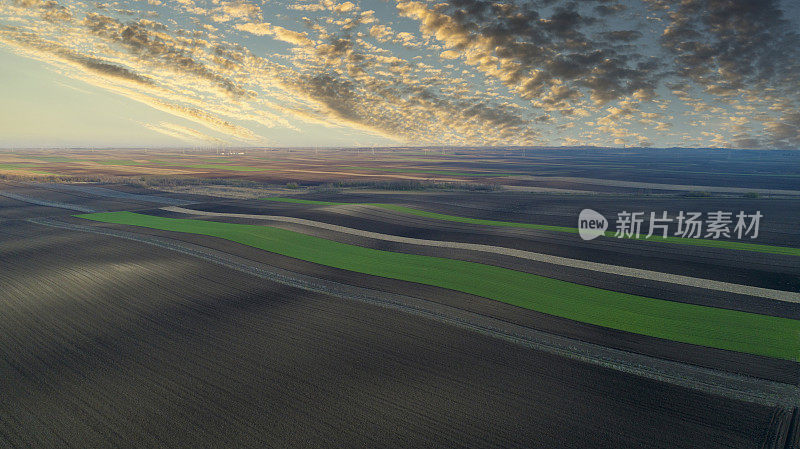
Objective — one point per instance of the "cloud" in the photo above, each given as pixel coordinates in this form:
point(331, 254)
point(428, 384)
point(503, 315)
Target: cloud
point(232, 10)
point(158, 49)
point(473, 72)
point(728, 43)
point(187, 112)
point(32, 43)
point(50, 10)
point(280, 33)
point(738, 49)
point(785, 132)
point(622, 35)
point(382, 33)
point(117, 79)
point(181, 132)
point(546, 58)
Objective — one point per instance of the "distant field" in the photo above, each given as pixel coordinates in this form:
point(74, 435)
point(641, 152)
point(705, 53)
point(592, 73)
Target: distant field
point(657, 170)
point(706, 326)
point(53, 158)
point(129, 163)
point(221, 167)
point(213, 166)
point(428, 171)
point(119, 162)
point(26, 168)
point(771, 249)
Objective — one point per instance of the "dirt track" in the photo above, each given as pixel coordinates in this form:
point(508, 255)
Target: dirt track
point(709, 284)
point(39, 202)
point(737, 267)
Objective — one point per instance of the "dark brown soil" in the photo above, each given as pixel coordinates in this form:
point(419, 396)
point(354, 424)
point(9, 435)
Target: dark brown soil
point(756, 366)
point(107, 342)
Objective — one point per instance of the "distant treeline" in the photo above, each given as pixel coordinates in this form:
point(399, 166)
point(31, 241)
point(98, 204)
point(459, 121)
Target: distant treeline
point(410, 185)
point(402, 185)
point(177, 181)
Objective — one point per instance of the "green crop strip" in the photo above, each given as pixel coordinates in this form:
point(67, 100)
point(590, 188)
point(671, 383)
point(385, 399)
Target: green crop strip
point(688, 323)
point(27, 168)
point(741, 246)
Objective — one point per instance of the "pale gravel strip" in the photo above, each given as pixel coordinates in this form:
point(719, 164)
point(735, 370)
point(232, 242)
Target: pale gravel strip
point(731, 385)
point(110, 193)
point(38, 202)
point(778, 295)
point(647, 185)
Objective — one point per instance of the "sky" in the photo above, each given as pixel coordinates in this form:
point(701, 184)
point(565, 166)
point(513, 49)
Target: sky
point(211, 73)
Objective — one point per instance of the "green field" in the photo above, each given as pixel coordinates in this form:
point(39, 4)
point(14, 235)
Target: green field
point(27, 168)
point(706, 326)
point(726, 244)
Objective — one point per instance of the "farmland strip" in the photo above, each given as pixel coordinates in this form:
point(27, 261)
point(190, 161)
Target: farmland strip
point(657, 186)
point(110, 193)
point(38, 202)
point(706, 326)
point(779, 295)
point(731, 385)
point(683, 241)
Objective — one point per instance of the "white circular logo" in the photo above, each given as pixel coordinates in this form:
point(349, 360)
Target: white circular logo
point(591, 224)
